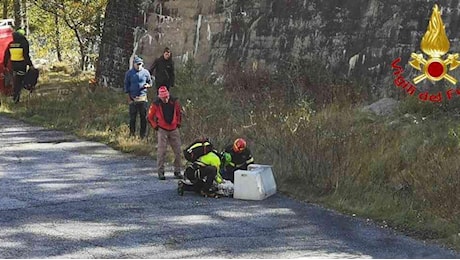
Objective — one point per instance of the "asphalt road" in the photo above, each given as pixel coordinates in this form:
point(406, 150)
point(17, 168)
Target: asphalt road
point(61, 197)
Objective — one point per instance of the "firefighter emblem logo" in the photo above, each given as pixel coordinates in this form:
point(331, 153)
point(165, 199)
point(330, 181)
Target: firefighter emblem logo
point(435, 45)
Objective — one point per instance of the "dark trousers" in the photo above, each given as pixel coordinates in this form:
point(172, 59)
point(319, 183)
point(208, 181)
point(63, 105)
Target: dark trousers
point(19, 72)
point(136, 108)
point(229, 173)
point(18, 84)
point(202, 178)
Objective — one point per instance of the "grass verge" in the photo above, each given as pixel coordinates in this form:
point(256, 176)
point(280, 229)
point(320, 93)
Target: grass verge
point(401, 171)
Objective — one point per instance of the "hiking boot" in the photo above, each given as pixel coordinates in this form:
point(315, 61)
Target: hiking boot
point(161, 176)
point(180, 188)
point(178, 175)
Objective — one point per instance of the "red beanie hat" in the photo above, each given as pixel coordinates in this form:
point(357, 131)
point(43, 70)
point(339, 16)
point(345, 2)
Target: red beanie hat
point(163, 92)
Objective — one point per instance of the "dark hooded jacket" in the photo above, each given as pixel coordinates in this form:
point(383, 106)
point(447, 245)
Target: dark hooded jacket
point(18, 53)
point(163, 70)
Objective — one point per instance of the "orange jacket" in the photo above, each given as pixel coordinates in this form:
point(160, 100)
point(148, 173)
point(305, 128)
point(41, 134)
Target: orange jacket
point(156, 116)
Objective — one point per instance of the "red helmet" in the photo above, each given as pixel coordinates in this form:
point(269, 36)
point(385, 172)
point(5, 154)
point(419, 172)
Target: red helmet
point(239, 145)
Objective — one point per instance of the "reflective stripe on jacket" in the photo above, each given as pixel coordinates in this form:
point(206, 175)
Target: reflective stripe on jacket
point(16, 52)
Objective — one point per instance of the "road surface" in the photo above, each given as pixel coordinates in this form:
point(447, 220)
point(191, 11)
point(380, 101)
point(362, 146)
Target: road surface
point(62, 197)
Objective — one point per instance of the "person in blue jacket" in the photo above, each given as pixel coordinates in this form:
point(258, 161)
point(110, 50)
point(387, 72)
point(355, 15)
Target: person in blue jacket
point(137, 81)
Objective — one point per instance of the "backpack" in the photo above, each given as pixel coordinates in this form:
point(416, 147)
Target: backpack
point(197, 149)
point(31, 78)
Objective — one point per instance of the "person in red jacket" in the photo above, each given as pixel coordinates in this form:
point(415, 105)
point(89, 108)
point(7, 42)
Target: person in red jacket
point(165, 117)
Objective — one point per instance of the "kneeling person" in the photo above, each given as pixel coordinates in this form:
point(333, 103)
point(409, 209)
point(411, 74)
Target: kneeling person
point(235, 157)
point(203, 175)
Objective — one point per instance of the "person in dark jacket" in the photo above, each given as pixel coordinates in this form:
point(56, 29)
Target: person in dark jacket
point(165, 116)
point(163, 70)
point(18, 53)
point(137, 81)
point(235, 157)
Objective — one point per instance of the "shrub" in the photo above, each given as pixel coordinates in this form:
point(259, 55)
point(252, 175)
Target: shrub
point(62, 67)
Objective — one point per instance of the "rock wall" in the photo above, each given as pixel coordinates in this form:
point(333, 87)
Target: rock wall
point(186, 27)
point(354, 39)
point(124, 21)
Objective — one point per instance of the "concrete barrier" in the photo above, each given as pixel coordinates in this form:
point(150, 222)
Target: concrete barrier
point(256, 183)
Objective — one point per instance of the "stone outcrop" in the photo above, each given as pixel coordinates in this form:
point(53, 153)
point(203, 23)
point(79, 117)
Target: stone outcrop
point(383, 107)
point(355, 39)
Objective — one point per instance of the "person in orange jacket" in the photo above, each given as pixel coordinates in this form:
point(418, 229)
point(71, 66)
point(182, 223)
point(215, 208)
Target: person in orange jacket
point(165, 116)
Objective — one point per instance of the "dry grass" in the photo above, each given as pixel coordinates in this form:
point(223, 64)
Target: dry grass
point(401, 169)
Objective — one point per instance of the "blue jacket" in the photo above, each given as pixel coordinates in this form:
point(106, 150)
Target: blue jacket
point(135, 81)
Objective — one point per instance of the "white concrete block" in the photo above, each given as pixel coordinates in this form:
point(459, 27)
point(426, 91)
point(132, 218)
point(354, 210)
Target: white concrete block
point(257, 183)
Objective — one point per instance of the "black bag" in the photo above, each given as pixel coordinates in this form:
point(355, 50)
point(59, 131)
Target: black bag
point(197, 149)
point(31, 78)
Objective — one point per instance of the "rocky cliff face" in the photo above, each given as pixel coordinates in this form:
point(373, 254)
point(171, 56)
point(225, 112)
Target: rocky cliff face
point(123, 25)
point(355, 39)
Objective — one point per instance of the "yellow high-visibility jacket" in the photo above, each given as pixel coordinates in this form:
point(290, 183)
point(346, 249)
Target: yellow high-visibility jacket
point(211, 159)
point(17, 51)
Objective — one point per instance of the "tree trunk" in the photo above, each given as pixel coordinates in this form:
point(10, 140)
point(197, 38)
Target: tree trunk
point(57, 41)
point(17, 13)
point(6, 4)
point(82, 49)
point(24, 19)
point(117, 41)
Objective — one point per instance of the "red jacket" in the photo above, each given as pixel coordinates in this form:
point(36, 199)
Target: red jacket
point(156, 117)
